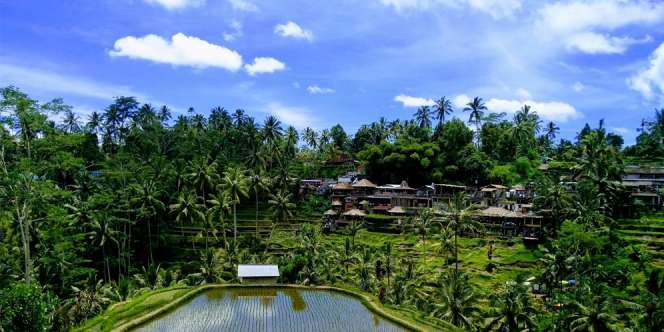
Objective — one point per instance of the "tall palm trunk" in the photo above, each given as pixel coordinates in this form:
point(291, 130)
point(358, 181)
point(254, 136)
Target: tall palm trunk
point(25, 240)
point(456, 248)
point(150, 259)
point(256, 194)
point(234, 224)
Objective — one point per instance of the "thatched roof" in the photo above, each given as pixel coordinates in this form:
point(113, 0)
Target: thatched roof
point(330, 212)
point(364, 183)
point(364, 202)
point(354, 213)
point(404, 185)
point(397, 210)
point(499, 212)
point(337, 203)
point(342, 186)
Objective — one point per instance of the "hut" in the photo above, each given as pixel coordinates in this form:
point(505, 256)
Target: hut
point(354, 213)
point(511, 223)
point(397, 210)
point(258, 273)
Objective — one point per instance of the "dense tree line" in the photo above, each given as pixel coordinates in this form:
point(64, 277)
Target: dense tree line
point(85, 205)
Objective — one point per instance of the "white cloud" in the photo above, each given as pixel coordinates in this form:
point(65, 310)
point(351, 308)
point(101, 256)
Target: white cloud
point(461, 101)
point(293, 30)
point(620, 130)
point(495, 8)
point(523, 93)
point(554, 111)
point(264, 65)
point(595, 43)
point(236, 31)
point(243, 5)
point(410, 101)
point(181, 50)
point(650, 81)
point(295, 116)
point(315, 89)
point(578, 86)
point(585, 26)
point(51, 82)
point(176, 4)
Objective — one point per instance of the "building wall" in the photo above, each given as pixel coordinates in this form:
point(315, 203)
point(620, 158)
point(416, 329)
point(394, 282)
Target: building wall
point(259, 280)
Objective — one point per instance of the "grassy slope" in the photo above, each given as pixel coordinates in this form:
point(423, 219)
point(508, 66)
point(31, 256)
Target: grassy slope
point(647, 230)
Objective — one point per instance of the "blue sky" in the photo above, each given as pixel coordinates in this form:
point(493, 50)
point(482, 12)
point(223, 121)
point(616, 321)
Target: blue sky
point(348, 61)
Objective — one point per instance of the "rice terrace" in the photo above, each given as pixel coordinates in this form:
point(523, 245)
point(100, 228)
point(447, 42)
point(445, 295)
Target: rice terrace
point(343, 165)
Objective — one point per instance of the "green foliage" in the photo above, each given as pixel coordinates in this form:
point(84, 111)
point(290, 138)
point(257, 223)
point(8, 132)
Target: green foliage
point(25, 307)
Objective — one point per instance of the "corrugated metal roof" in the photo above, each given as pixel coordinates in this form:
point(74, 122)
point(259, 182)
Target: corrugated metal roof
point(257, 270)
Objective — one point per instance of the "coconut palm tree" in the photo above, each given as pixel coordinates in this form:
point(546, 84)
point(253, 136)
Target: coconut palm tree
point(164, 114)
point(94, 122)
point(272, 129)
point(219, 205)
point(102, 232)
point(236, 185)
point(456, 301)
point(187, 210)
point(387, 254)
point(650, 309)
point(551, 131)
point(442, 108)
point(423, 223)
point(310, 137)
point(446, 243)
point(347, 255)
point(70, 122)
point(512, 309)
point(423, 116)
point(592, 313)
point(259, 183)
point(281, 205)
point(476, 108)
point(149, 205)
point(202, 175)
point(460, 220)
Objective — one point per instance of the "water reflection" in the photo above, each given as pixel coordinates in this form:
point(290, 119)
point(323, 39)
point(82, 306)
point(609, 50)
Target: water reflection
point(271, 309)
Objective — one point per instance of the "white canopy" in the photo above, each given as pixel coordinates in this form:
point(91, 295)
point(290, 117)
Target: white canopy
point(257, 270)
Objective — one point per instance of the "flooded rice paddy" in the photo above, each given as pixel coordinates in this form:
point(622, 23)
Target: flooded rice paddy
point(271, 309)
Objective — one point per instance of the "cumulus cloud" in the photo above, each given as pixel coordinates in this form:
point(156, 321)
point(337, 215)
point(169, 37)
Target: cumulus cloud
point(316, 90)
point(595, 43)
point(554, 110)
point(264, 65)
point(495, 8)
point(52, 82)
point(461, 101)
point(243, 5)
point(181, 50)
point(586, 26)
point(176, 4)
point(296, 116)
point(293, 30)
point(410, 101)
point(523, 93)
point(236, 31)
point(620, 130)
point(650, 81)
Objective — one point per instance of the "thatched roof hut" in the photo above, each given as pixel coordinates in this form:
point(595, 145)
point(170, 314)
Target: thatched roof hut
point(354, 213)
point(364, 183)
point(397, 210)
point(330, 212)
point(342, 186)
point(337, 203)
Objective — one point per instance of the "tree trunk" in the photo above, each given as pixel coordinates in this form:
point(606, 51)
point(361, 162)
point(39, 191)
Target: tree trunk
point(456, 248)
point(150, 259)
point(234, 225)
point(256, 194)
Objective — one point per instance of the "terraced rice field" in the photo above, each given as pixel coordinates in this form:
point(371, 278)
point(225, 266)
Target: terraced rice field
point(648, 230)
point(271, 309)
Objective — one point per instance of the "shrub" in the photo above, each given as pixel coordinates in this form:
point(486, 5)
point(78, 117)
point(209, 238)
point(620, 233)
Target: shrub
point(24, 307)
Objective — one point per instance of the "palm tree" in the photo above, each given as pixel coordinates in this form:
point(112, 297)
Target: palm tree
point(70, 122)
point(147, 199)
point(272, 129)
point(164, 114)
point(364, 270)
point(423, 222)
point(650, 309)
point(236, 185)
point(442, 108)
point(456, 301)
point(220, 204)
point(553, 196)
point(94, 122)
point(202, 175)
point(259, 183)
point(593, 312)
point(512, 309)
point(239, 117)
point(551, 131)
point(460, 220)
point(187, 210)
point(353, 228)
point(446, 243)
point(423, 116)
point(102, 232)
point(476, 109)
point(310, 137)
point(281, 206)
point(347, 255)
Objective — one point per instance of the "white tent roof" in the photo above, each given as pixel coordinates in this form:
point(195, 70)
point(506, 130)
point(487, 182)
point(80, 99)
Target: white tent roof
point(257, 270)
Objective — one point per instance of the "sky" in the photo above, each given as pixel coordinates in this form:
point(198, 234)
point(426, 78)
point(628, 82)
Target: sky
point(318, 63)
